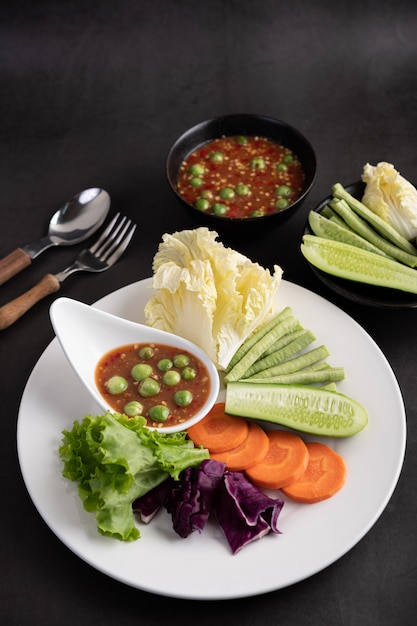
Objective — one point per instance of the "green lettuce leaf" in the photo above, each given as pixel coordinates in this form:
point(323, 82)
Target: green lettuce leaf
point(116, 459)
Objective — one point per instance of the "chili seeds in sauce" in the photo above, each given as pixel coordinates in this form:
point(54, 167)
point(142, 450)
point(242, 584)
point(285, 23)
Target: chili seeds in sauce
point(241, 177)
point(125, 378)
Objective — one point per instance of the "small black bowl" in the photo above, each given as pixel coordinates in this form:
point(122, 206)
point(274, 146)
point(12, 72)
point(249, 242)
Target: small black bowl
point(249, 125)
point(361, 293)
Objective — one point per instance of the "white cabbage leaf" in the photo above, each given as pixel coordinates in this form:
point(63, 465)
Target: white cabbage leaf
point(392, 197)
point(209, 294)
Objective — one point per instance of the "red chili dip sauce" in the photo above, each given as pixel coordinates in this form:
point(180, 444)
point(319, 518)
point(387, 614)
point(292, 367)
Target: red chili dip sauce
point(241, 177)
point(165, 385)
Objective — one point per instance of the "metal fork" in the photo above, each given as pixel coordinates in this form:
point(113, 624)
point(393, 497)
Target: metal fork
point(99, 257)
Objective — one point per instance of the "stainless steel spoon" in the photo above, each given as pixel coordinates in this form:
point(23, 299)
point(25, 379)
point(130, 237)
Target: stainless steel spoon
point(74, 222)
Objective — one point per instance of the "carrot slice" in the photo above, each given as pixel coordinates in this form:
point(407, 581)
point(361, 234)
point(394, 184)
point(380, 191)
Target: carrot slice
point(324, 476)
point(283, 464)
point(218, 431)
point(250, 452)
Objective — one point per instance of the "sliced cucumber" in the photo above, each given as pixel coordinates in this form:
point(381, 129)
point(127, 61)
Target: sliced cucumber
point(327, 212)
point(330, 229)
point(372, 218)
point(312, 410)
point(346, 261)
point(362, 228)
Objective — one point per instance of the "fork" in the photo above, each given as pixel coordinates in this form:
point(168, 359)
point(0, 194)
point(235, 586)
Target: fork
point(99, 257)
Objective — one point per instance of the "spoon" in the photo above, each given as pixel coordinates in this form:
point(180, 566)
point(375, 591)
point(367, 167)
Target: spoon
point(86, 334)
point(74, 222)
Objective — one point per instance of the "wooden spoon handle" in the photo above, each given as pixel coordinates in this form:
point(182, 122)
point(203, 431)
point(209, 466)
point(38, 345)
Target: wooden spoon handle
point(13, 263)
point(13, 310)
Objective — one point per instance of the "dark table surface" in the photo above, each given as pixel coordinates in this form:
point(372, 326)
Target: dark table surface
point(93, 94)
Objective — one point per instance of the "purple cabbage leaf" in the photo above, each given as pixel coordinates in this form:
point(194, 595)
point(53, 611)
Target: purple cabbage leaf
point(243, 512)
point(148, 505)
point(191, 500)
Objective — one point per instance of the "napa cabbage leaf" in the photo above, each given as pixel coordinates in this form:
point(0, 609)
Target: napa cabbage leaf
point(392, 197)
point(208, 293)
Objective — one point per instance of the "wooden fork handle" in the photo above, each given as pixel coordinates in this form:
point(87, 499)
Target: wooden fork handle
point(13, 263)
point(13, 310)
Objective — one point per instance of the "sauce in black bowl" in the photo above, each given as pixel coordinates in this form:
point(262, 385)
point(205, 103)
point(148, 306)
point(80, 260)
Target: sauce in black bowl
point(247, 127)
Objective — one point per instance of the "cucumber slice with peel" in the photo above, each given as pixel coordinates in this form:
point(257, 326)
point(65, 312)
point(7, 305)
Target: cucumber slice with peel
point(380, 225)
point(329, 229)
point(351, 263)
point(365, 230)
point(311, 410)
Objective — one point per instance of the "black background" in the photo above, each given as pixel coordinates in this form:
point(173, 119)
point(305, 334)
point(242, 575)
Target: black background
point(94, 94)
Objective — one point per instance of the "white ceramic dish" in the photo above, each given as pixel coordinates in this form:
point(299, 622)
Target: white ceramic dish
point(201, 566)
point(86, 334)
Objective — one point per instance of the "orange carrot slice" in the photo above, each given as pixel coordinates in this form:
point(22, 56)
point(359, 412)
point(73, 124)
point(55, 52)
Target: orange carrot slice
point(324, 476)
point(218, 431)
point(283, 464)
point(250, 452)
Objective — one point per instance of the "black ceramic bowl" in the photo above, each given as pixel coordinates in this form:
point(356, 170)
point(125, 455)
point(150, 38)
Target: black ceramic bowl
point(247, 125)
point(361, 293)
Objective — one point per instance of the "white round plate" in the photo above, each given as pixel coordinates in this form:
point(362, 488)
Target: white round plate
point(202, 566)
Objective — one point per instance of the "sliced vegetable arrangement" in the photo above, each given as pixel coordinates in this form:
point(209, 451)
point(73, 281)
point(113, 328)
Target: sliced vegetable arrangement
point(276, 350)
point(273, 372)
point(122, 468)
point(274, 459)
point(368, 240)
point(274, 377)
point(221, 464)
